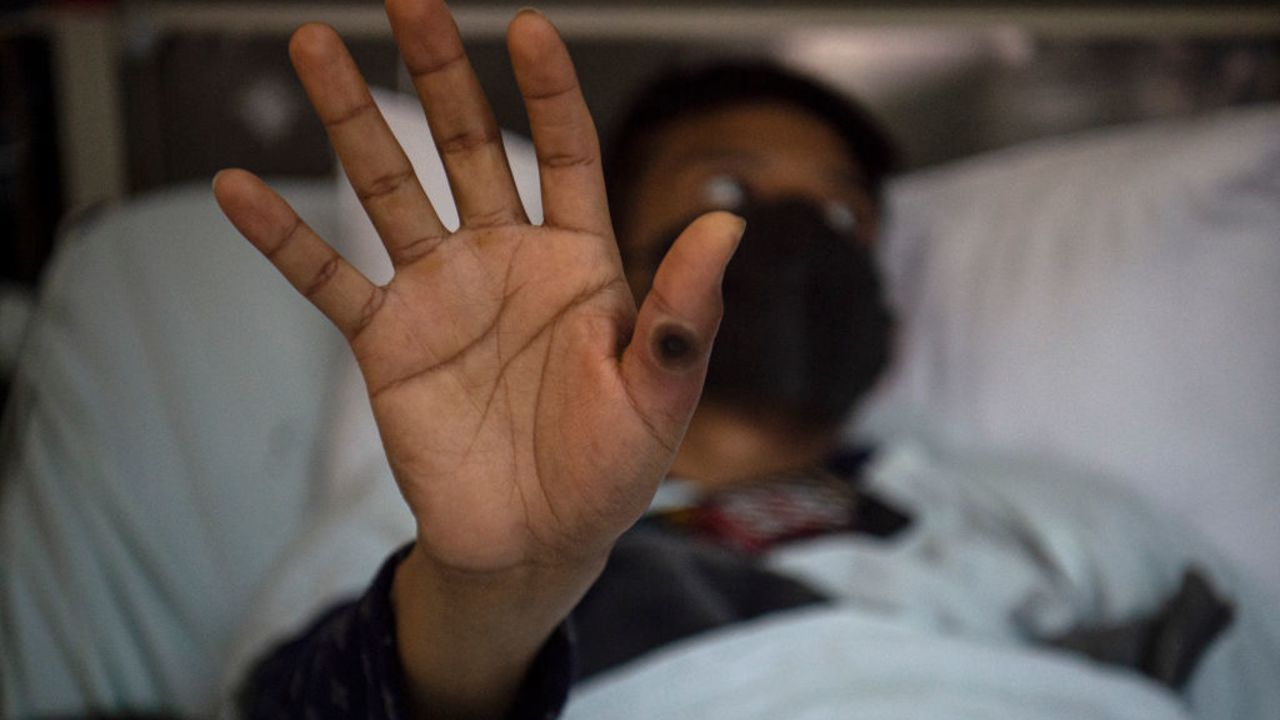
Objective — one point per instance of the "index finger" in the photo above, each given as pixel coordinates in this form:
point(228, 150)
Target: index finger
point(564, 135)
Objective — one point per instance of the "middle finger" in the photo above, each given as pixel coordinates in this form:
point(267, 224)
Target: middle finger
point(375, 163)
point(461, 121)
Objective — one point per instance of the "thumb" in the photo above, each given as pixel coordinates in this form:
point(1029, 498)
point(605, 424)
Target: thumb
point(666, 362)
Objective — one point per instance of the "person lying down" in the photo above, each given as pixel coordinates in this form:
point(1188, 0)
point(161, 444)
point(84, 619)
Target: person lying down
point(613, 520)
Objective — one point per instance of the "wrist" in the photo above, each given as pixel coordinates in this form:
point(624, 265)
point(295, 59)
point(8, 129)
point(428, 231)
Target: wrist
point(466, 639)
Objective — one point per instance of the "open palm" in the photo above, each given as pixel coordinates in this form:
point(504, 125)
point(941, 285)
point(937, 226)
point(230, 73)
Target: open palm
point(527, 410)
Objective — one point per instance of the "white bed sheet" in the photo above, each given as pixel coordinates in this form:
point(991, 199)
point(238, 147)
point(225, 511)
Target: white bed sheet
point(943, 622)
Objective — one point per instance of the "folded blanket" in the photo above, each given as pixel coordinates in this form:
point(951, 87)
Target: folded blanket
point(965, 614)
point(841, 662)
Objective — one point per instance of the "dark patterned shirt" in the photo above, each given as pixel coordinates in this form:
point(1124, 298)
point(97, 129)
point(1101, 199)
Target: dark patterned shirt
point(668, 578)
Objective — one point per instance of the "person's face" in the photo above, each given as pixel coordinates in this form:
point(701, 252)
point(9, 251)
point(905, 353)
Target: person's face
point(769, 150)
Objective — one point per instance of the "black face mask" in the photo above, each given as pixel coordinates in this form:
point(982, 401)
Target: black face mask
point(806, 331)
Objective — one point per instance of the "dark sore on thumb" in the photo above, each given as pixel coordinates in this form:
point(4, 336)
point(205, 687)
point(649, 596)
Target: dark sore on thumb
point(674, 347)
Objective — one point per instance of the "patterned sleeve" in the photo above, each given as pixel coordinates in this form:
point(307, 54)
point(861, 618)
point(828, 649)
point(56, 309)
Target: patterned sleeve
point(345, 665)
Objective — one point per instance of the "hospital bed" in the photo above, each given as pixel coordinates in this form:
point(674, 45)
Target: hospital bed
point(179, 417)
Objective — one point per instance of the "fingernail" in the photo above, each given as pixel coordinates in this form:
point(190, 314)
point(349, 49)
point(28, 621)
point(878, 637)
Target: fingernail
point(529, 9)
point(216, 175)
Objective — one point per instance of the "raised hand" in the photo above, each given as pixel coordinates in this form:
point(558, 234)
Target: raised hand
point(527, 410)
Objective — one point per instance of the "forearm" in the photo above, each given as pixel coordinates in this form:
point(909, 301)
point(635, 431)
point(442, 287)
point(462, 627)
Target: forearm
point(347, 663)
point(467, 640)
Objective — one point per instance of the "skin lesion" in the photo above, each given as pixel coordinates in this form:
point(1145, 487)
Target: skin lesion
point(674, 347)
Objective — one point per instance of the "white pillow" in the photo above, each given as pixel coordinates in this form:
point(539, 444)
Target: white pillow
point(157, 455)
point(1113, 298)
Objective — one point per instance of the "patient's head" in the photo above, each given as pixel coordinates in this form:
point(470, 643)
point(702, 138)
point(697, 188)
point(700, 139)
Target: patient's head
point(769, 130)
point(805, 333)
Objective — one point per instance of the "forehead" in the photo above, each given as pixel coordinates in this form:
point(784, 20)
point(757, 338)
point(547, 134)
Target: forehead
point(765, 132)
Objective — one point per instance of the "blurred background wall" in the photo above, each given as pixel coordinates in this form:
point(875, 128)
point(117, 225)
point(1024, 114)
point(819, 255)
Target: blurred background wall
point(100, 100)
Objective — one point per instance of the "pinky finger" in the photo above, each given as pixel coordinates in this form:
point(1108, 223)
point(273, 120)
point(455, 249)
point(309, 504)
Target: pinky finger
point(315, 269)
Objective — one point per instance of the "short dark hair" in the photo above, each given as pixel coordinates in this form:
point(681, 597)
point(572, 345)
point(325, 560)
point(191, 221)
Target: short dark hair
point(680, 93)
